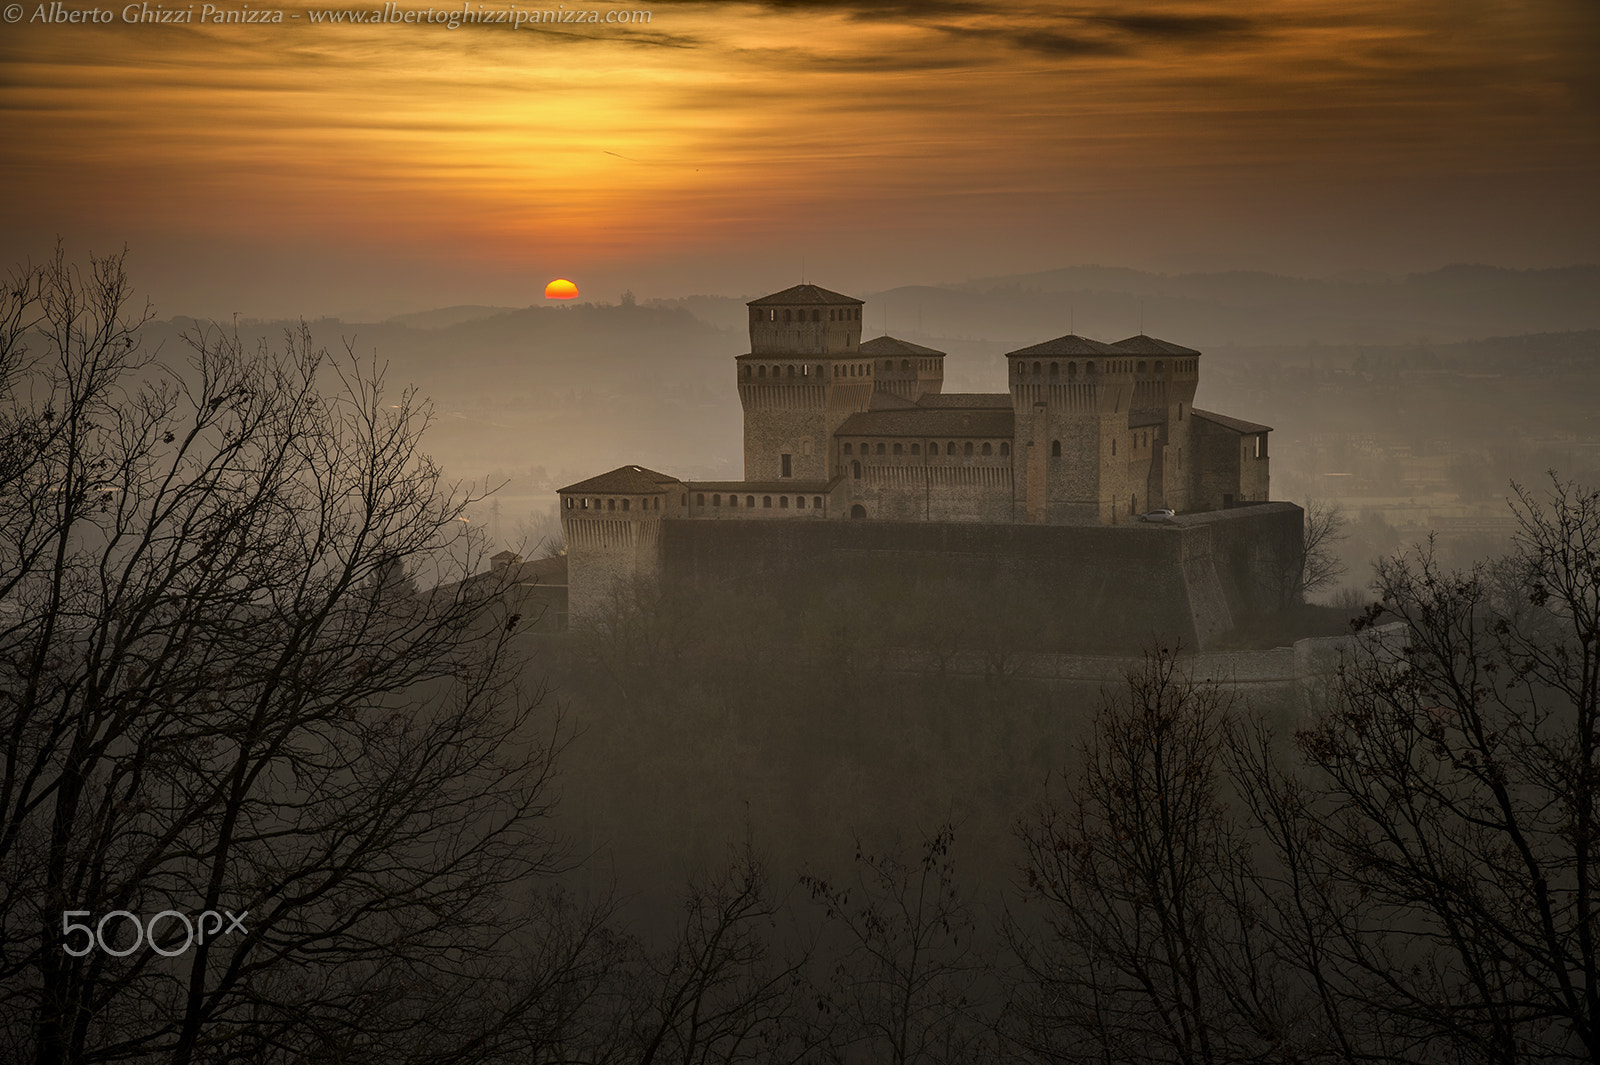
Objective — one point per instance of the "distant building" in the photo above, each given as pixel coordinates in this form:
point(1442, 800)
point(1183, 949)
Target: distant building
point(1089, 434)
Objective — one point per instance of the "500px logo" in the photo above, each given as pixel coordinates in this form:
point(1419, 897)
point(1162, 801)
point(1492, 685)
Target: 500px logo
point(145, 931)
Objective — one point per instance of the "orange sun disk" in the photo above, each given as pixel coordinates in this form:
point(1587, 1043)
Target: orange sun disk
point(561, 289)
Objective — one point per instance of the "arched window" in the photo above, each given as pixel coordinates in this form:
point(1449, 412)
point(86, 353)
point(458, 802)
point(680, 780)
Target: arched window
point(950, 448)
point(1141, 366)
point(790, 373)
point(747, 371)
point(1159, 367)
point(783, 502)
point(800, 502)
point(699, 499)
point(1005, 449)
point(855, 469)
point(816, 502)
point(786, 315)
point(858, 512)
point(716, 499)
point(966, 449)
point(905, 364)
point(880, 449)
point(816, 316)
point(733, 501)
point(763, 372)
point(847, 450)
point(1055, 449)
point(916, 449)
point(897, 449)
point(611, 504)
point(750, 501)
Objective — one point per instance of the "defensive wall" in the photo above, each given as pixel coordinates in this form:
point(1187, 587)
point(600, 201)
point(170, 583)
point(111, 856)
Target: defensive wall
point(1190, 579)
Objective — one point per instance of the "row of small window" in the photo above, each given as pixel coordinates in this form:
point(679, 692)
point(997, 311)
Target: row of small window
point(905, 365)
point(1054, 369)
point(967, 449)
point(852, 370)
point(839, 314)
point(653, 503)
point(750, 501)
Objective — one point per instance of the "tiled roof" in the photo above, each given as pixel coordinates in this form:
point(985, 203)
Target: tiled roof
point(1070, 344)
point(803, 294)
point(626, 480)
point(930, 423)
point(882, 400)
point(1238, 425)
point(888, 345)
point(966, 400)
point(1143, 345)
point(793, 487)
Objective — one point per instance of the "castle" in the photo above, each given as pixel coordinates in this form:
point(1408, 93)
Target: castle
point(1089, 434)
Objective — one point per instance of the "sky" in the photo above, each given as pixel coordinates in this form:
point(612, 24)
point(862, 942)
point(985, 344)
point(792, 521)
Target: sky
point(314, 168)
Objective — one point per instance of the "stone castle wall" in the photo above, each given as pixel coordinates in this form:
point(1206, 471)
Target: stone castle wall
point(1095, 586)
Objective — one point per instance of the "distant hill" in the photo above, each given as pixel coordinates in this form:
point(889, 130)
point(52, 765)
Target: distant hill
point(445, 317)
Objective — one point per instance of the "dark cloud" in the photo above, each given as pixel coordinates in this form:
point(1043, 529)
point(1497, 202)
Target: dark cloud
point(1040, 41)
point(1180, 27)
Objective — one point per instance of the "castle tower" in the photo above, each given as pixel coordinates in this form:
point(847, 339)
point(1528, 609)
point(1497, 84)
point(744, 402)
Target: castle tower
point(1165, 378)
point(613, 528)
point(1071, 398)
point(804, 375)
point(901, 368)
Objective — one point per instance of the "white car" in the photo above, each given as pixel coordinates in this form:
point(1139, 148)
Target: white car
point(1157, 515)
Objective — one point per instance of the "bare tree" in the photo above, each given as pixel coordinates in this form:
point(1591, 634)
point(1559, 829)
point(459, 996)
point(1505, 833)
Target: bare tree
point(1446, 844)
point(1320, 565)
point(906, 986)
point(1140, 940)
point(220, 695)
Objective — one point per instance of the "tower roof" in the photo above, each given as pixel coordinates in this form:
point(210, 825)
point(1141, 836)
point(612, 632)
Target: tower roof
point(1143, 345)
point(804, 294)
point(888, 345)
point(1071, 344)
point(626, 480)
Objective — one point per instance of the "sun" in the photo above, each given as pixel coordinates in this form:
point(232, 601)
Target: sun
point(561, 289)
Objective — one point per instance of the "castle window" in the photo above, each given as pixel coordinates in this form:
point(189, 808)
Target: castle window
point(880, 449)
point(569, 502)
point(611, 504)
point(830, 316)
point(766, 501)
point(733, 501)
point(800, 502)
point(805, 446)
point(749, 501)
point(905, 364)
point(916, 449)
point(699, 499)
point(847, 450)
point(950, 448)
point(786, 316)
point(716, 500)
point(625, 504)
point(788, 469)
point(855, 469)
point(763, 372)
point(987, 450)
point(783, 502)
point(967, 449)
point(1055, 449)
point(897, 449)
point(816, 502)
point(1005, 448)
point(1158, 367)
point(790, 373)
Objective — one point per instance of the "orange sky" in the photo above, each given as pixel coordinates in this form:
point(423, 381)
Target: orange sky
point(300, 168)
